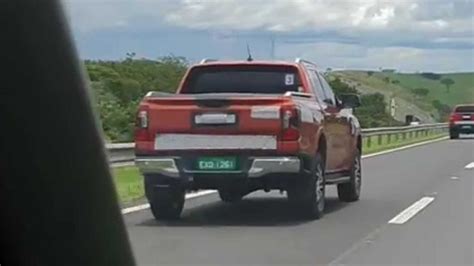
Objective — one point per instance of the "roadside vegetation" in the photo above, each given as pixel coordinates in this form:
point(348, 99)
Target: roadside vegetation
point(118, 86)
point(427, 95)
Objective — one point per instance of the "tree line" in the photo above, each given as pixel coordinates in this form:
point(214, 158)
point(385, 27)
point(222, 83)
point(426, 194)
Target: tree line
point(118, 87)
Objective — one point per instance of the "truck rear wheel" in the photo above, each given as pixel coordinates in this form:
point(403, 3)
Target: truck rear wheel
point(453, 134)
point(167, 204)
point(309, 194)
point(350, 191)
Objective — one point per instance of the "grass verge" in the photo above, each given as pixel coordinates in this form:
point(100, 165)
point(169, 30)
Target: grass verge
point(129, 181)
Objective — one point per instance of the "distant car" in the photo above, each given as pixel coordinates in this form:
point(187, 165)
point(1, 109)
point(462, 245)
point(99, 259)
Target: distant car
point(461, 120)
point(243, 126)
point(415, 123)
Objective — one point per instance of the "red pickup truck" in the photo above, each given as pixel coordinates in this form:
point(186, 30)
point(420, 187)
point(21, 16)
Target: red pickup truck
point(243, 126)
point(461, 120)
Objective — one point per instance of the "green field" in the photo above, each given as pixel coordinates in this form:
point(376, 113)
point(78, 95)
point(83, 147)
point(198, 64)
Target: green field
point(462, 91)
point(129, 181)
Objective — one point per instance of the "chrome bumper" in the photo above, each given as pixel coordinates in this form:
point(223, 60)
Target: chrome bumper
point(260, 166)
point(164, 166)
point(270, 165)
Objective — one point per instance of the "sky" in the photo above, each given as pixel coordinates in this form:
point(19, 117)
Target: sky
point(407, 35)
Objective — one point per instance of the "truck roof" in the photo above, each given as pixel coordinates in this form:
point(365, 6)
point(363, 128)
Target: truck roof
point(245, 62)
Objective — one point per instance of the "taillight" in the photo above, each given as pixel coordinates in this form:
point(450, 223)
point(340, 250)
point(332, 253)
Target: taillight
point(290, 124)
point(141, 125)
point(142, 119)
point(454, 117)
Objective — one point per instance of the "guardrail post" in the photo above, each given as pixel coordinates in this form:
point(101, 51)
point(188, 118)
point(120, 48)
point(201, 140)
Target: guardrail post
point(416, 134)
point(389, 136)
point(404, 135)
point(379, 140)
point(368, 141)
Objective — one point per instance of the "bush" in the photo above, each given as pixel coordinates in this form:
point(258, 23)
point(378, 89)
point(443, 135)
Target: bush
point(118, 87)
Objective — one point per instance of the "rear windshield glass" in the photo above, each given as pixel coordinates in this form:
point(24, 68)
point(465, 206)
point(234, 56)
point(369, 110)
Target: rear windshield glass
point(242, 79)
point(465, 109)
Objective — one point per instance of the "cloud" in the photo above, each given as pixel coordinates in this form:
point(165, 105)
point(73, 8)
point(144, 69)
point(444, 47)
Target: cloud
point(351, 30)
point(353, 56)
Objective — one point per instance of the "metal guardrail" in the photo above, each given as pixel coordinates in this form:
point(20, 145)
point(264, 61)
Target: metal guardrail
point(403, 133)
point(120, 153)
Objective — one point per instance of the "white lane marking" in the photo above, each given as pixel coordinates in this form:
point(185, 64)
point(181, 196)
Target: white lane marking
point(469, 166)
point(200, 194)
point(454, 178)
point(135, 208)
point(411, 211)
point(146, 206)
point(403, 147)
point(207, 192)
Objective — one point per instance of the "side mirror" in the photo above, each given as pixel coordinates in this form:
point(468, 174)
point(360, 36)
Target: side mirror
point(349, 100)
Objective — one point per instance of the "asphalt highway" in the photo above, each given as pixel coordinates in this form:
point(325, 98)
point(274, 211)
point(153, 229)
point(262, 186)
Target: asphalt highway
point(416, 207)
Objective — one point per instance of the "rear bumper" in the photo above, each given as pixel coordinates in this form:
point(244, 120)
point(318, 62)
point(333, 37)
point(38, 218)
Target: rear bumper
point(252, 167)
point(462, 127)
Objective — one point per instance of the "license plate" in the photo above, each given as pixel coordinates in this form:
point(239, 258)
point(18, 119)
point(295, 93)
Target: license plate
point(216, 163)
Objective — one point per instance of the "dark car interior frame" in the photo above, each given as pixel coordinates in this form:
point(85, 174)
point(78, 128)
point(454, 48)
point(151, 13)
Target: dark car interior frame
point(58, 205)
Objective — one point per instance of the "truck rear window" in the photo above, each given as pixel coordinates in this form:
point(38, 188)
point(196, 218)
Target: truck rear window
point(242, 79)
point(465, 109)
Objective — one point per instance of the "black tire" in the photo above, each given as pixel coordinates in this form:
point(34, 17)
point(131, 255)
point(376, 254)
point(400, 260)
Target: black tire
point(230, 195)
point(453, 135)
point(350, 191)
point(167, 204)
point(309, 194)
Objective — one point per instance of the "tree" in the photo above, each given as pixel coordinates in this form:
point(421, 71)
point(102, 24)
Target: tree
point(448, 82)
point(443, 109)
point(370, 73)
point(118, 87)
point(339, 87)
point(386, 80)
point(432, 76)
point(395, 82)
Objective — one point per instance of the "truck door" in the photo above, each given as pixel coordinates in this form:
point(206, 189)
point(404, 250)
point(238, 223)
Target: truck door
point(339, 130)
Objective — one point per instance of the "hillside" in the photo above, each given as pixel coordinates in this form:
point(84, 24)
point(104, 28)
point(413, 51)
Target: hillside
point(431, 104)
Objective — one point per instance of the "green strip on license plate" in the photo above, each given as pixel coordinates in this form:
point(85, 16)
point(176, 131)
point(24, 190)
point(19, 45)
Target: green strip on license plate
point(216, 163)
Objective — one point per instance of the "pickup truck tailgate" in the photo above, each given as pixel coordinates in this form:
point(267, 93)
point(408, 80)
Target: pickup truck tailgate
point(184, 122)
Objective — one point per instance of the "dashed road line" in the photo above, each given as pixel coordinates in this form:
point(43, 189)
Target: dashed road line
point(469, 166)
point(411, 211)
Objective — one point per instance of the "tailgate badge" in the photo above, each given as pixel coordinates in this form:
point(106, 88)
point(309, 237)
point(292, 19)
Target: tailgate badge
point(214, 119)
